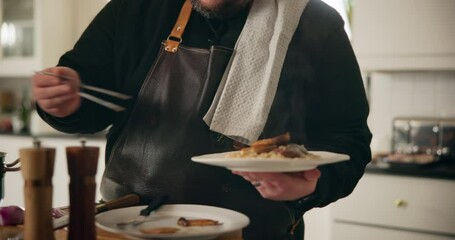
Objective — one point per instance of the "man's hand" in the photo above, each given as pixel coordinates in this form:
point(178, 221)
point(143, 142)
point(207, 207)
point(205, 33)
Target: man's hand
point(283, 186)
point(56, 96)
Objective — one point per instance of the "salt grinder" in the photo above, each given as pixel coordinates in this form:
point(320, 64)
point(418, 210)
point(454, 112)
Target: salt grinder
point(37, 170)
point(82, 167)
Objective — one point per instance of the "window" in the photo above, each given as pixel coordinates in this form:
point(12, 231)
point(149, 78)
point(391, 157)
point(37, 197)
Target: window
point(344, 7)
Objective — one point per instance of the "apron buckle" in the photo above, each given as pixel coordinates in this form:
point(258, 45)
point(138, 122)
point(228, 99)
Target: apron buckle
point(172, 44)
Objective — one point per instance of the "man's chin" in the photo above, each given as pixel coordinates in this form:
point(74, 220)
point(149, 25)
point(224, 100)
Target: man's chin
point(221, 9)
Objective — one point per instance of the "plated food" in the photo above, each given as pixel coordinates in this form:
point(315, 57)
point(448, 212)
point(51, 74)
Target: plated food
point(276, 147)
point(197, 222)
point(168, 222)
point(181, 222)
point(275, 154)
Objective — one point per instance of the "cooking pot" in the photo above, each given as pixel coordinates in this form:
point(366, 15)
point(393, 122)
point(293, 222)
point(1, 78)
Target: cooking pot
point(3, 169)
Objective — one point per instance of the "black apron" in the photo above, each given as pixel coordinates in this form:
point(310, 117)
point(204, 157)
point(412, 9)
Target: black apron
point(165, 129)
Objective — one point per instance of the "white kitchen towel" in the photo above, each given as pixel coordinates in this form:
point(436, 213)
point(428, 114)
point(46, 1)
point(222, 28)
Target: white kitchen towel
point(243, 100)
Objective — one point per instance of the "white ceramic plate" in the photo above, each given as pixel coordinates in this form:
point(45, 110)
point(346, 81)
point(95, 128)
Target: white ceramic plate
point(270, 164)
point(167, 216)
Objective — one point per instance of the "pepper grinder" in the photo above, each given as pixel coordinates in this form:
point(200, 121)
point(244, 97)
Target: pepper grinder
point(82, 167)
point(37, 167)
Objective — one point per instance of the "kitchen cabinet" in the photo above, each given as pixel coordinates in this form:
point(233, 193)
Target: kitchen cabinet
point(395, 208)
point(14, 182)
point(389, 35)
point(357, 232)
point(317, 223)
point(34, 34)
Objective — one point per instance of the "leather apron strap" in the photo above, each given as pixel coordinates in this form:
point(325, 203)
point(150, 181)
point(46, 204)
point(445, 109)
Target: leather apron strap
point(175, 38)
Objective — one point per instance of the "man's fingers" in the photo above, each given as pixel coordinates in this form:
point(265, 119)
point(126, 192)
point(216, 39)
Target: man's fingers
point(312, 175)
point(40, 80)
point(50, 92)
point(57, 102)
point(55, 95)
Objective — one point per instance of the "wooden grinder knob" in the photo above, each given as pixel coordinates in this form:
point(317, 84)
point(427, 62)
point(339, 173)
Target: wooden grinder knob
point(37, 168)
point(82, 167)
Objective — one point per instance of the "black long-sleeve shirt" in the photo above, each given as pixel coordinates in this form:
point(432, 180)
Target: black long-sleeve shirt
point(320, 98)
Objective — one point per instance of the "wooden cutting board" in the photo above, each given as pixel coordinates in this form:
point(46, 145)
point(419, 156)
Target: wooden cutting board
point(6, 232)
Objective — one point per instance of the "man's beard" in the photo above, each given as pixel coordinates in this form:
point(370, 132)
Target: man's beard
point(221, 10)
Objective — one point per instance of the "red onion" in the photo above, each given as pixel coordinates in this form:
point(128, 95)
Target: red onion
point(11, 216)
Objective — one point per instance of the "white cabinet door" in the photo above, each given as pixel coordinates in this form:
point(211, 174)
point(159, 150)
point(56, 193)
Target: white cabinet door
point(387, 207)
point(419, 204)
point(345, 231)
point(53, 27)
point(317, 224)
point(404, 34)
point(48, 30)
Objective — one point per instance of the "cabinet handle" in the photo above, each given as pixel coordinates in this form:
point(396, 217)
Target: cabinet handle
point(400, 203)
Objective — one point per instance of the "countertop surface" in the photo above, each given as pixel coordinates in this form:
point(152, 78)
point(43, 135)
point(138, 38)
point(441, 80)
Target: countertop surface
point(99, 135)
point(437, 170)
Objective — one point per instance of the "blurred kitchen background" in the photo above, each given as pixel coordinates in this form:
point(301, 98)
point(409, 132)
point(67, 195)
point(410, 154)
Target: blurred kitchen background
point(406, 51)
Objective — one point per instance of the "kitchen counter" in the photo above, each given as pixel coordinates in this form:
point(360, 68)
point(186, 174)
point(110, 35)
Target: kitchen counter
point(100, 135)
point(438, 170)
point(10, 231)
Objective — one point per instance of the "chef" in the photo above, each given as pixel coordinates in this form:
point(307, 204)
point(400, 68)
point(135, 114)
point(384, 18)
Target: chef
point(209, 75)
